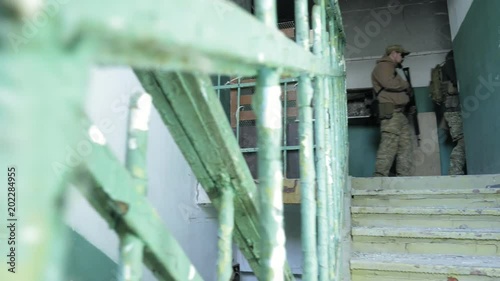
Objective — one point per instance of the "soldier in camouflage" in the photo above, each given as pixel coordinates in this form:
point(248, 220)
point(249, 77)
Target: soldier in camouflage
point(392, 94)
point(457, 157)
point(453, 117)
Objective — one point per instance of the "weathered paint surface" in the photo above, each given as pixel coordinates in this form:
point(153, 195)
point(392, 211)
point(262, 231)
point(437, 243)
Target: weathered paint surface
point(321, 169)
point(129, 33)
point(306, 135)
point(131, 246)
point(269, 131)
point(226, 227)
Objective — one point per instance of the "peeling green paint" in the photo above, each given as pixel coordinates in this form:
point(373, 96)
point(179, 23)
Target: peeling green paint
point(306, 139)
point(320, 118)
point(131, 246)
point(268, 109)
point(226, 226)
point(129, 33)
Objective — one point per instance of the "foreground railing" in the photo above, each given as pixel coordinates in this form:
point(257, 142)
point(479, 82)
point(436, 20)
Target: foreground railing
point(173, 46)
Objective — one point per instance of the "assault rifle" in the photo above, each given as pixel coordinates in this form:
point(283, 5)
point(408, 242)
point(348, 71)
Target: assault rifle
point(411, 107)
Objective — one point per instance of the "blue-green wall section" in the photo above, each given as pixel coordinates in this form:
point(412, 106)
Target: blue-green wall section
point(363, 144)
point(87, 263)
point(364, 140)
point(477, 56)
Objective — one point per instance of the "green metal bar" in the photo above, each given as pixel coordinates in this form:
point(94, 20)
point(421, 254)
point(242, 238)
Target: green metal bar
point(226, 226)
point(320, 116)
point(131, 32)
point(269, 131)
point(111, 190)
point(335, 208)
point(238, 104)
point(218, 84)
point(250, 84)
point(268, 105)
point(131, 246)
point(339, 121)
point(306, 154)
point(285, 121)
point(42, 85)
point(207, 142)
point(333, 12)
point(331, 176)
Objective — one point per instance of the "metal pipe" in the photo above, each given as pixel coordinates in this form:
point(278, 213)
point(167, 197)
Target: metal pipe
point(330, 174)
point(226, 226)
point(131, 247)
point(334, 206)
point(285, 120)
point(320, 115)
point(341, 144)
point(218, 84)
point(238, 101)
point(269, 126)
point(306, 154)
point(269, 130)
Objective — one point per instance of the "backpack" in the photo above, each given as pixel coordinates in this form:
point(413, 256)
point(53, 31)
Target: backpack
point(437, 88)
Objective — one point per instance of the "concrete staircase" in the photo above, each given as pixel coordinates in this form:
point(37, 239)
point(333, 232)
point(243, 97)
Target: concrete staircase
point(426, 228)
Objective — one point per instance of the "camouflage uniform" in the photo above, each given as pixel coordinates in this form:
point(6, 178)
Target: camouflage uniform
point(453, 116)
point(396, 143)
point(395, 134)
point(457, 157)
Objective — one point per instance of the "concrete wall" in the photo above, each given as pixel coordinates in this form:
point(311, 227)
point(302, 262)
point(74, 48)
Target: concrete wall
point(457, 10)
point(370, 26)
point(171, 182)
point(420, 64)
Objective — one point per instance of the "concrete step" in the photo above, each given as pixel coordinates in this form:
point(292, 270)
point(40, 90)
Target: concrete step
point(445, 233)
point(425, 191)
point(397, 267)
point(405, 245)
point(430, 220)
point(436, 182)
point(478, 242)
point(426, 211)
point(470, 200)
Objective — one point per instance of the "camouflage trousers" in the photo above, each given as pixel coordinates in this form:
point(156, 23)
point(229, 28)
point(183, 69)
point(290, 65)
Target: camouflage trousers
point(457, 157)
point(395, 143)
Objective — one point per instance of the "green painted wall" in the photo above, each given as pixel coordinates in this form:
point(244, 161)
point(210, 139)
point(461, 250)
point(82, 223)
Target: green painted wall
point(477, 56)
point(85, 262)
point(364, 140)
